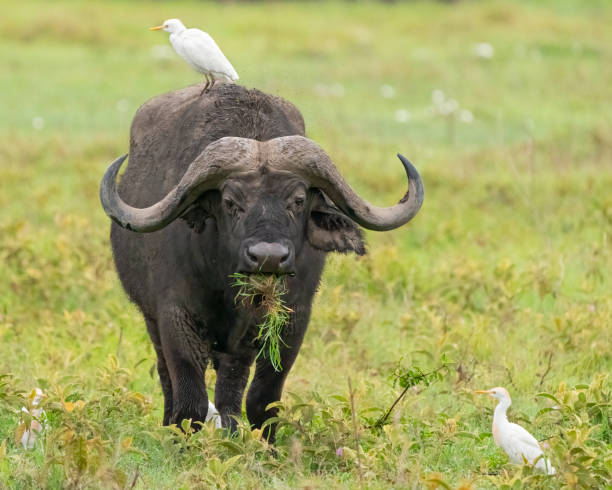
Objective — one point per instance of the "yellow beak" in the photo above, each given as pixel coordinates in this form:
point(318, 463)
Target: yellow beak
point(483, 392)
point(156, 28)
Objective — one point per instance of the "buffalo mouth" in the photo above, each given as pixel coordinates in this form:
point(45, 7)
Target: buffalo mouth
point(259, 293)
point(258, 290)
point(243, 272)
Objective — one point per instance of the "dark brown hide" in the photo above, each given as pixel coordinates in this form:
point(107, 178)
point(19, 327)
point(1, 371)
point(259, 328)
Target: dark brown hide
point(179, 275)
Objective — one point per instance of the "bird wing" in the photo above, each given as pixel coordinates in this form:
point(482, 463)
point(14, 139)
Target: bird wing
point(521, 443)
point(201, 52)
point(524, 436)
point(213, 414)
point(175, 40)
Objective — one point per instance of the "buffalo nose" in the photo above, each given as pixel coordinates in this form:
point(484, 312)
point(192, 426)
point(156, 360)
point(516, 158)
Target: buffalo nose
point(268, 257)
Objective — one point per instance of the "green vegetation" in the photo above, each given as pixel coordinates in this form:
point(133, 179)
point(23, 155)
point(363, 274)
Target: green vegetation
point(503, 279)
point(263, 293)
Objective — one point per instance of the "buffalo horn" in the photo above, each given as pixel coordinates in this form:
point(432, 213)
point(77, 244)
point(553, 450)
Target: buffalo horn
point(212, 166)
point(304, 157)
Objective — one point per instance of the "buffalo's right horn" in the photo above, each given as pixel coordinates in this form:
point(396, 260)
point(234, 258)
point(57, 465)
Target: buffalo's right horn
point(212, 166)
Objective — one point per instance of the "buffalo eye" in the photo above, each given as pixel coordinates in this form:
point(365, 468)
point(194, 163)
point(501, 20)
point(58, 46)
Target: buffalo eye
point(297, 203)
point(231, 207)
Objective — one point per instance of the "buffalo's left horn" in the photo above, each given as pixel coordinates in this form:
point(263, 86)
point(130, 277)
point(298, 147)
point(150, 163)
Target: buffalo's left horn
point(304, 157)
point(211, 167)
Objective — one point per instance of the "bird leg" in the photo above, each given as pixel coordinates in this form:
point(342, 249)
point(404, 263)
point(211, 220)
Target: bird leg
point(213, 82)
point(206, 87)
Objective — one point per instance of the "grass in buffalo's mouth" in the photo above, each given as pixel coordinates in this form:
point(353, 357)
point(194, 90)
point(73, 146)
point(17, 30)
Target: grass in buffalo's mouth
point(265, 292)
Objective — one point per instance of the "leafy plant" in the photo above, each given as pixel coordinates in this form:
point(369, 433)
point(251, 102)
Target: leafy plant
point(582, 446)
point(409, 377)
point(265, 293)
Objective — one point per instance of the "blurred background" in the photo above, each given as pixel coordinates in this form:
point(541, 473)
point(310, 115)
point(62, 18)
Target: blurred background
point(504, 107)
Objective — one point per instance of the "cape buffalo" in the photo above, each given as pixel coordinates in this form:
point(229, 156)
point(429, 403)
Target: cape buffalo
point(216, 184)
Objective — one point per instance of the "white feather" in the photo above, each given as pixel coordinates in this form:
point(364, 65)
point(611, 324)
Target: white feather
point(199, 50)
point(213, 414)
point(38, 418)
point(516, 441)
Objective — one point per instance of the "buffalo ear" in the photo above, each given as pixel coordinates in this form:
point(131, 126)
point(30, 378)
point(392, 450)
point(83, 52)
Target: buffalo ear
point(199, 212)
point(330, 230)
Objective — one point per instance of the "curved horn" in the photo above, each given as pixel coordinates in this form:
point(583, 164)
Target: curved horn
point(218, 160)
point(306, 158)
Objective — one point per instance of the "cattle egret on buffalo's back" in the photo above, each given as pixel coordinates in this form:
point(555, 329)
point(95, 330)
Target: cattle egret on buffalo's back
point(519, 444)
point(200, 50)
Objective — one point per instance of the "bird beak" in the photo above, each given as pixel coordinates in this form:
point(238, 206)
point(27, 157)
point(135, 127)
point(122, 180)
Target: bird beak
point(157, 28)
point(483, 392)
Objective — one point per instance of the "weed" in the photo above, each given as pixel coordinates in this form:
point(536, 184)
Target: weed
point(265, 293)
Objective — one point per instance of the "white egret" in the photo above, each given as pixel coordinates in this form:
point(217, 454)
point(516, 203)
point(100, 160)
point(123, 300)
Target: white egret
point(519, 444)
point(200, 50)
point(37, 418)
point(213, 414)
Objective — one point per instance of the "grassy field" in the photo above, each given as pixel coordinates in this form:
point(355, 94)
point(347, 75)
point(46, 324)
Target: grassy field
point(503, 279)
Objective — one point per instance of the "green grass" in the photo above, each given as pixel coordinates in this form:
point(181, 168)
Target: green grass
point(263, 296)
point(505, 272)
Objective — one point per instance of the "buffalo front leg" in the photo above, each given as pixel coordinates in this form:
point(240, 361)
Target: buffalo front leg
point(267, 384)
point(232, 377)
point(186, 355)
point(162, 369)
point(166, 384)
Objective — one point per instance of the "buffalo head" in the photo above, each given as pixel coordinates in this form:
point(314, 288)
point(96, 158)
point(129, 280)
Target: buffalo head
point(267, 199)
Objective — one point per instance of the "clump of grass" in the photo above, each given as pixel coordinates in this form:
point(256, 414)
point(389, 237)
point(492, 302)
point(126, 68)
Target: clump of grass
point(265, 292)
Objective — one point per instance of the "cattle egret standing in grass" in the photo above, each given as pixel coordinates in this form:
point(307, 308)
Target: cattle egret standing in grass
point(200, 50)
point(213, 414)
point(36, 416)
point(519, 444)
